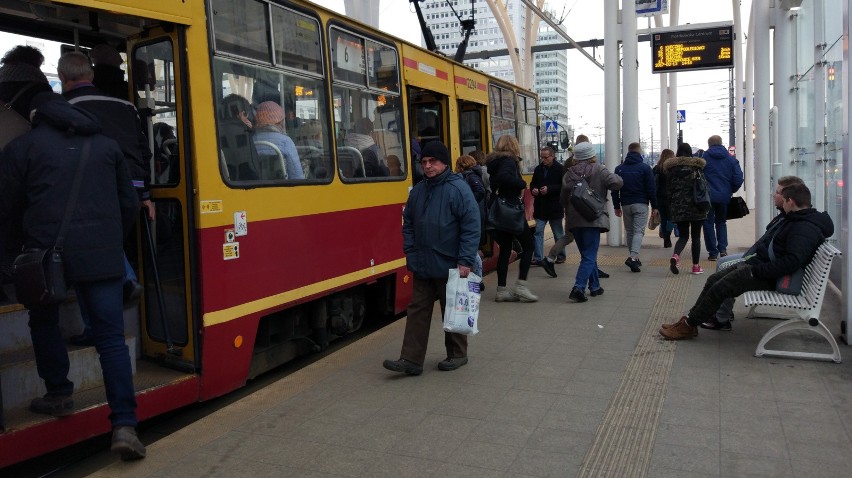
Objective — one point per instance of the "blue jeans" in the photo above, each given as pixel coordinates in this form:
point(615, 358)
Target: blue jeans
point(588, 241)
point(716, 229)
point(558, 232)
point(129, 276)
point(103, 302)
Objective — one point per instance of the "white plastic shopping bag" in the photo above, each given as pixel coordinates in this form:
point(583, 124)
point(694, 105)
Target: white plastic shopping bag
point(462, 312)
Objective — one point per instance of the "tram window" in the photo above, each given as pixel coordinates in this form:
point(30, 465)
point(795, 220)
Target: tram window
point(240, 28)
point(502, 112)
point(367, 108)
point(471, 131)
point(428, 125)
point(154, 83)
point(296, 40)
point(271, 126)
point(527, 133)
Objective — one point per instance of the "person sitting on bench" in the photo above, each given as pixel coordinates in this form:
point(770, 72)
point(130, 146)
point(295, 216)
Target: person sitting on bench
point(793, 243)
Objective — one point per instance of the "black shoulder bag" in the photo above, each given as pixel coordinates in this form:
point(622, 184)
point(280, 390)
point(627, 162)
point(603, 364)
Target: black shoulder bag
point(39, 274)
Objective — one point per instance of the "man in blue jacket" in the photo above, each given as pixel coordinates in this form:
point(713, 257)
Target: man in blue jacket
point(724, 176)
point(440, 231)
point(631, 201)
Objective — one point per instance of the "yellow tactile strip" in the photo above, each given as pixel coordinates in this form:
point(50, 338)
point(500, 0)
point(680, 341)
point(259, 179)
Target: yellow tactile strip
point(625, 439)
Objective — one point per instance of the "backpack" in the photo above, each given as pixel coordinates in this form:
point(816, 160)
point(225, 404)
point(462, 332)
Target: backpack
point(585, 200)
point(14, 125)
point(700, 192)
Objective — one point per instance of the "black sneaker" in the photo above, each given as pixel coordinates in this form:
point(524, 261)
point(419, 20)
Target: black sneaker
point(633, 265)
point(54, 405)
point(715, 325)
point(602, 274)
point(127, 444)
point(595, 293)
point(548, 267)
point(577, 295)
point(403, 366)
point(449, 364)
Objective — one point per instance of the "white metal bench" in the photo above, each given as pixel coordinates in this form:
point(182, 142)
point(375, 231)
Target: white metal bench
point(806, 307)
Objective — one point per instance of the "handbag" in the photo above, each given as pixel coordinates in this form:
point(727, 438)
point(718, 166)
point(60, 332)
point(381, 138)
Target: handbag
point(461, 314)
point(14, 124)
point(586, 201)
point(737, 208)
point(654, 220)
point(700, 192)
point(506, 216)
point(39, 274)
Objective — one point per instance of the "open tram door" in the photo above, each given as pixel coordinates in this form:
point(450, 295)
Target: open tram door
point(428, 118)
point(157, 67)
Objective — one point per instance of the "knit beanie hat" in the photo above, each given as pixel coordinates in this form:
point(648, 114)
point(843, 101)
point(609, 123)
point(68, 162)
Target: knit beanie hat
point(584, 151)
point(268, 113)
point(437, 150)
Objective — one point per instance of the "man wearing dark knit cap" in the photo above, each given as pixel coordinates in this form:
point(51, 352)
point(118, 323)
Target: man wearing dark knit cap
point(440, 231)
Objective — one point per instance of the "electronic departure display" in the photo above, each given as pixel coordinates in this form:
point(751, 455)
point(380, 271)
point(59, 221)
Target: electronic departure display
point(694, 49)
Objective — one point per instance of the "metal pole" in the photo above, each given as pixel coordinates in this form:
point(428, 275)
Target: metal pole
point(761, 118)
point(612, 105)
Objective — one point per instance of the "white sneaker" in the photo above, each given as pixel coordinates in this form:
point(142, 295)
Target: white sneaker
point(505, 295)
point(523, 293)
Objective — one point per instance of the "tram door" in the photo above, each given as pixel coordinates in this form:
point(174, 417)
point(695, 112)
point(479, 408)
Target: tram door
point(156, 75)
point(471, 126)
point(428, 117)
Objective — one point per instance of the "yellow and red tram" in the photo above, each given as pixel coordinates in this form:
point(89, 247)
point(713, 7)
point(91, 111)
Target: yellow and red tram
point(253, 258)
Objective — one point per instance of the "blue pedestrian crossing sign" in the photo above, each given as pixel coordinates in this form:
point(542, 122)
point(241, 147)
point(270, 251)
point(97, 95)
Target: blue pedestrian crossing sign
point(681, 116)
point(550, 127)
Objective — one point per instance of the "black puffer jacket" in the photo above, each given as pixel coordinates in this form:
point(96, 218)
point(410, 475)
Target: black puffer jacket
point(794, 245)
point(680, 173)
point(36, 174)
point(505, 177)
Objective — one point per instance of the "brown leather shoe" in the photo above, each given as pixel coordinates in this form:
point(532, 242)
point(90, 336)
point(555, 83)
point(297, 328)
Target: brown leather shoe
point(679, 331)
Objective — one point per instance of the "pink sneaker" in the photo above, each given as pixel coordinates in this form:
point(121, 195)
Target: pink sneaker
point(696, 269)
point(674, 263)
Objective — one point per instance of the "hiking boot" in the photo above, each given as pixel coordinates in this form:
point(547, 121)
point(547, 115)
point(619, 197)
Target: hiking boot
point(667, 242)
point(403, 366)
point(674, 263)
point(723, 254)
point(696, 269)
point(523, 293)
point(54, 405)
point(548, 267)
point(127, 444)
point(633, 264)
point(679, 330)
point(595, 293)
point(602, 274)
point(577, 295)
point(716, 325)
point(505, 295)
point(713, 258)
point(449, 364)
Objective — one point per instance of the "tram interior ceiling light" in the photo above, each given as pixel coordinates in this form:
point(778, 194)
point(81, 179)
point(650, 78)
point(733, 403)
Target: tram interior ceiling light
point(791, 5)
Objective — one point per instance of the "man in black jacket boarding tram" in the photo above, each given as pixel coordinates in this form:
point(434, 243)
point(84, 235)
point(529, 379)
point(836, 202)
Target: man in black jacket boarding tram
point(36, 175)
point(440, 231)
point(793, 246)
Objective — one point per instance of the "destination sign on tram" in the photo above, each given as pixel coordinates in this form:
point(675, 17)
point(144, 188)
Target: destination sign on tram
point(694, 49)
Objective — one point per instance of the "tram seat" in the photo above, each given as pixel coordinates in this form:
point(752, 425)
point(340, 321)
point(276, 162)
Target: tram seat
point(272, 166)
point(311, 158)
point(350, 162)
point(238, 152)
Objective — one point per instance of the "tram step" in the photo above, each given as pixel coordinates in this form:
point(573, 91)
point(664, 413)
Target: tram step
point(21, 383)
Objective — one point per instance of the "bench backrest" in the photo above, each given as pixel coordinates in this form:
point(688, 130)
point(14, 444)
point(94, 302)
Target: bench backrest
point(816, 273)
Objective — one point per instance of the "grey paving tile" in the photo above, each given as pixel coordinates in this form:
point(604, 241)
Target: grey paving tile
point(560, 440)
point(801, 429)
point(660, 472)
point(677, 434)
point(395, 419)
point(685, 459)
point(398, 466)
point(484, 455)
point(819, 412)
point(823, 451)
point(204, 465)
point(344, 461)
point(737, 464)
point(516, 413)
point(455, 470)
point(699, 416)
point(529, 398)
point(501, 433)
point(554, 385)
point(437, 425)
point(542, 463)
point(273, 424)
point(810, 468)
point(575, 420)
point(755, 442)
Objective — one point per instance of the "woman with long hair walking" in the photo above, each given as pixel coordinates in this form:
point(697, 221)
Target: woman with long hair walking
point(681, 172)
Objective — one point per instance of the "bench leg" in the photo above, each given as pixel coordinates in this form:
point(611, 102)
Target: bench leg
point(798, 324)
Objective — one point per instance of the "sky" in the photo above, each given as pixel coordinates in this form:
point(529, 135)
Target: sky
point(702, 94)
